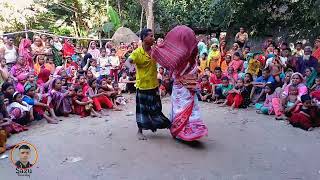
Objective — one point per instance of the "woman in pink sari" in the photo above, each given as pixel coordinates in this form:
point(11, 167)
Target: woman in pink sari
point(25, 51)
point(178, 54)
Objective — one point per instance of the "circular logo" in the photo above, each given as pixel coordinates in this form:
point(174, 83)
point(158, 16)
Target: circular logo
point(24, 155)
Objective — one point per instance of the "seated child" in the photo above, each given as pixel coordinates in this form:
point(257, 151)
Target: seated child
point(316, 86)
point(94, 68)
point(236, 96)
point(306, 115)
point(100, 99)
point(205, 90)
point(39, 106)
point(221, 91)
point(266, 107)
point(166, 85)
point(22, 79)
point(83, 106)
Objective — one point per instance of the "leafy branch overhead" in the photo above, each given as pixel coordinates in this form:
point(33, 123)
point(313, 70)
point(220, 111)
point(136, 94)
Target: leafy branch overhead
point(291, 18)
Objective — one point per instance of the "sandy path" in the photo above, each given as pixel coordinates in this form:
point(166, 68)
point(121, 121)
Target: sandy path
point(240, 146)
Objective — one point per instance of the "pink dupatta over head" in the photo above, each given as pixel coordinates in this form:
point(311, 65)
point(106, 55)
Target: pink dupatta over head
point(24, 51)
point(177, 50)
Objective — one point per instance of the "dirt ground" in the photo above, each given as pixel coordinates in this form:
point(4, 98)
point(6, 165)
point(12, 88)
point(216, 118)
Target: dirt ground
point(241, 145)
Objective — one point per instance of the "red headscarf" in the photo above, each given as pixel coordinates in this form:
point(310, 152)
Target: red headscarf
point(177, 50)
point(68, 48)
point(24, 51)
point(43, 76)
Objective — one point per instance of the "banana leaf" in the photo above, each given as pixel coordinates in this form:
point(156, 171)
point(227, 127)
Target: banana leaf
point(114, 17)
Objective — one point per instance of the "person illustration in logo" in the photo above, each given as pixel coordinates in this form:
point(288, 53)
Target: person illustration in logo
point(24, 155)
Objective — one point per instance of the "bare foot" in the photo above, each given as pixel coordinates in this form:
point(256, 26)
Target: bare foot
point(117, 109)
point(310, 129)
point(141, 136)
point(223, 105)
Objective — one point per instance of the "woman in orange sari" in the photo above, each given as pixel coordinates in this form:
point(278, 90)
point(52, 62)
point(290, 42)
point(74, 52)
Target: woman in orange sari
point(214, 58)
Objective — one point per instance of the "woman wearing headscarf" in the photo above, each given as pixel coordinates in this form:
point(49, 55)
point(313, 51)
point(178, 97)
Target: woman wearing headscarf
point(178, 54)
point(37, 47)
point(214, 58)
point(93, 50)
point(279, 105)
point(68, 48)
point(25, 51)
point(56, 47)
point(202, 48)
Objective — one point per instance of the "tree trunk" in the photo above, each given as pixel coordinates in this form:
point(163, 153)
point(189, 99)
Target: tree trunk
point(119, 8)
point(148, 7)
point(141, 19)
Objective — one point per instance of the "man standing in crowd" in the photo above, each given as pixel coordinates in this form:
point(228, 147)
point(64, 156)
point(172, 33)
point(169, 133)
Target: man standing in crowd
point(307, 60)
point(9, 52)
point(149, 114)
point(241, 37)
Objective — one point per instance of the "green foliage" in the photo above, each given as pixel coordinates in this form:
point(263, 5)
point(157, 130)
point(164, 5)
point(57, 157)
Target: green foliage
point(290, 19)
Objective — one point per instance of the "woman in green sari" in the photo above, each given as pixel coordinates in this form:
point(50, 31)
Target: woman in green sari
point(310, 76)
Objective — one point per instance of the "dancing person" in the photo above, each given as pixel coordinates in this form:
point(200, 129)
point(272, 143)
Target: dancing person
point(178, 54)
point(149, 114)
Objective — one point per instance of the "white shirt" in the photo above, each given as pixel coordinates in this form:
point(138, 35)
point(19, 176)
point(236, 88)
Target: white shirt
point(114, 61)
point(10, 54)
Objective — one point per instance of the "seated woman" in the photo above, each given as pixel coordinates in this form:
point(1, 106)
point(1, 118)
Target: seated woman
point(39, 106)
point(6, 123)
point(59, 99)
point(19, 68)
point(306, 116)
point(19, 111)
point(280, 104)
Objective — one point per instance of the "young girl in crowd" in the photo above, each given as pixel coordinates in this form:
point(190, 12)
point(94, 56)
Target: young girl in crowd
point(83, 106)
point(268, 93)
point(232, 75)
point(254, 65)
point(94, 68)
point(59, 99)
point(99, 99)
point(236, 96)
point(50, 64)
point(236, 63)
point(316, 86)
point(22, 79)
point(115, 62)
point(104, 63)
point(205, 90)
point(32, 81)
point(203, 62)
